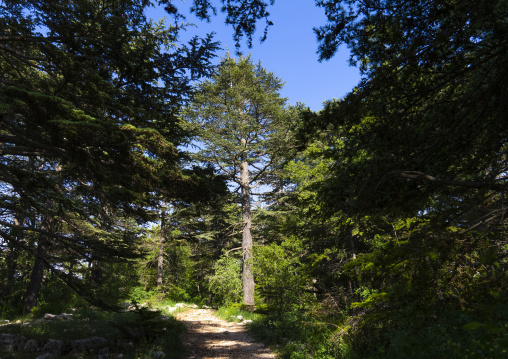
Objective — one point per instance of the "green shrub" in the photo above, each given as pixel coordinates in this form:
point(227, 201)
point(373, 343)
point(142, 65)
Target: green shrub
point(55, 297)
point(281, 280)
point(302, 335)
point(226, 281)
point(231, 313)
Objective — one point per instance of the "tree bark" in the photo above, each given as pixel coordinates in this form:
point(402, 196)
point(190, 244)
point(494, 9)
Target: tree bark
point(38, 271)
point(160, 257)
point(247, 275)
point(95, 274)
point(13, 252)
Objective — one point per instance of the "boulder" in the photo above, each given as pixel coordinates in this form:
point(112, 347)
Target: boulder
point(104, 351)
point(6, 338)
point(46, 356)
point(158, 354)
point(124, 343)
point(31, 346)
point(49, 316)
point(53, 346)
point(65, 316)
point(11, 342)
point(91, 345)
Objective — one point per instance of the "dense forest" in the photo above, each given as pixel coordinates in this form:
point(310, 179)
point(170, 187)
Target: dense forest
point(134, 169)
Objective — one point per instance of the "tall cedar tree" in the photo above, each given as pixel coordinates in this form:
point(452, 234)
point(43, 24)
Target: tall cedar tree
point(242, 124)
point(88, 96)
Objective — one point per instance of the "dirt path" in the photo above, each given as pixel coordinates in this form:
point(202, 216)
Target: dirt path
point(209, 337)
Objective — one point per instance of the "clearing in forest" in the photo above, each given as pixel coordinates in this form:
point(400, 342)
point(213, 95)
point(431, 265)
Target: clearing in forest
point(209, 337)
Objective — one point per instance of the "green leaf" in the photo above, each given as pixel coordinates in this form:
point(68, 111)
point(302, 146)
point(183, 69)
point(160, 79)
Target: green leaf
point(472, 326)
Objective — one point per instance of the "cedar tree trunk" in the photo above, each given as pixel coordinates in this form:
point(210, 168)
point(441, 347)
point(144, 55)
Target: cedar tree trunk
point(247, 275)
point(38, 270)
point(160, 257)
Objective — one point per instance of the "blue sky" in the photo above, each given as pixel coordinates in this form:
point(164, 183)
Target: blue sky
point(289, 51)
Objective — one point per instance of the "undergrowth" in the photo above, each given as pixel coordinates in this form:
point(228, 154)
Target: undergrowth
point(136, 334)
point(232, 313)
point(294, 334)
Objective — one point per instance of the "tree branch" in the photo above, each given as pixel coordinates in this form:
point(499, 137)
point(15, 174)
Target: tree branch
point(416, 175)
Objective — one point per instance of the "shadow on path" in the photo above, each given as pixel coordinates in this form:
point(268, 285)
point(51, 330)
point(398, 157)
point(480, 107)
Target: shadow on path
point(209, 337)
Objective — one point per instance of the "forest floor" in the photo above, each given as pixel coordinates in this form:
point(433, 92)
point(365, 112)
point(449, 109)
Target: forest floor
point(209, 337)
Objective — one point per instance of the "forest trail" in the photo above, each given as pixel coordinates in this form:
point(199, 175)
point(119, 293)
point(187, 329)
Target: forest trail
point(209, 337)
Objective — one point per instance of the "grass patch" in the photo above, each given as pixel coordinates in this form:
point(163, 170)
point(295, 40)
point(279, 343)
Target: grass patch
point(232, 313)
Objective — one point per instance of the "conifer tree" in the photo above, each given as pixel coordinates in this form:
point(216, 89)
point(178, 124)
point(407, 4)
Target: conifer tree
point(88, 96)
point(242, 123)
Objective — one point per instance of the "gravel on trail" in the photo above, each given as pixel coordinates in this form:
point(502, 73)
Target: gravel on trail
point(209, 337)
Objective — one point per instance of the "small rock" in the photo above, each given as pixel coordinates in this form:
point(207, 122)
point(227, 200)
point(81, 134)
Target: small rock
point(53, 346)
point(31, 346)
point(124, 343)
point(248, 321)
point(12, 341)
point(120, 356)
point(49, 316)
point(240, 318)
point(46, 356)
point(65, 316)
point(88, 344)
point(6, 338)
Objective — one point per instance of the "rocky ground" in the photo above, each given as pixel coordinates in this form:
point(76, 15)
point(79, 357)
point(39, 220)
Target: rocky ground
point(209, 337)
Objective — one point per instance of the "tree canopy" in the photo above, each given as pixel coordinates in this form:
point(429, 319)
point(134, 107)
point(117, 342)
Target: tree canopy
point(89, 96)
point(418, 170)
point(386, 237)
